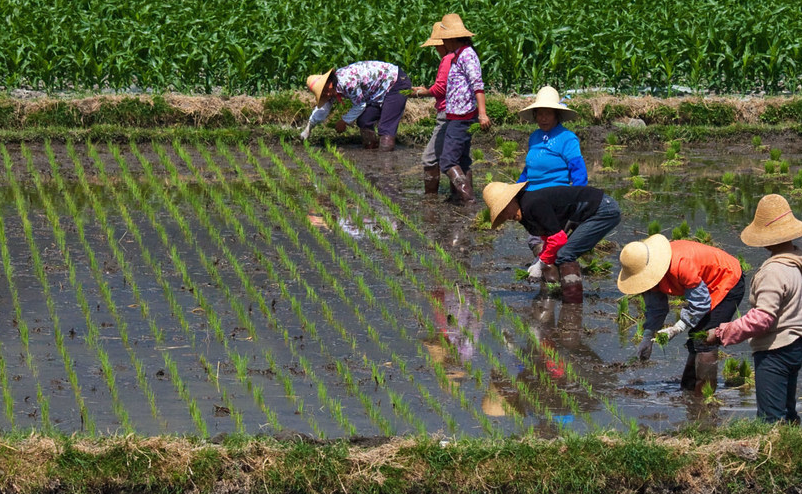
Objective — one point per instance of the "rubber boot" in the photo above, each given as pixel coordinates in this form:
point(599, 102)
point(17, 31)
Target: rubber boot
point(461, 184)
point(431, 179)
point(369, 139)
point(386, 143)
point(571, 282)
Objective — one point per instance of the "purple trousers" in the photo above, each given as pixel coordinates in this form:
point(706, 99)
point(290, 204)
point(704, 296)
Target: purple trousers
point(388, 114)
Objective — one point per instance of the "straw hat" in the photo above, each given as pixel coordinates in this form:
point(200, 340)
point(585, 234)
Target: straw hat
point(497, 196)
point(643, 264)
point(316, 82)
point(452, 27)
point(433, 39)
point(547, 97)
point(774, 223)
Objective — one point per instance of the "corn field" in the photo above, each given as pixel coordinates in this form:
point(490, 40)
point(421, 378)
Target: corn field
point(256, 46)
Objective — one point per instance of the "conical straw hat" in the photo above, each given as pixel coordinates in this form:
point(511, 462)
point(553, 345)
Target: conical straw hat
point(316, 82)
point(433, 39)
point(547, 97)
point(497, 196)
point(643, 264)
point(452, 27)
point(774, 223)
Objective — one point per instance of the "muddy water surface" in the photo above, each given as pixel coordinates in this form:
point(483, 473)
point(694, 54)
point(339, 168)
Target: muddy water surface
point(209, 289)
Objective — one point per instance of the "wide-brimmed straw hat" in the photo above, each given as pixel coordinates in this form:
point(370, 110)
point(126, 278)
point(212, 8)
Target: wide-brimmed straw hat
point(547, 97)
point(497, 196)
point(316, 83)
point(452, 27)
point(433, 39)
point(643, 264)
point(774, 223)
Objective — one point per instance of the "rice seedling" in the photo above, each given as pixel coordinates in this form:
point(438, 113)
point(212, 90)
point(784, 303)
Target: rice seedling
point(745, 266)
point(654, 228)
point(638, 192)
point(608, 162)
point(727, 182)
point(634, 169)
point(86, 419)
point(703, 236)
point(757, 142)
point(785, 167)
point(683, 231)
point(709, 394)
point(733, 202)
point(770, 167)
point(775, 154)
point(506, 151)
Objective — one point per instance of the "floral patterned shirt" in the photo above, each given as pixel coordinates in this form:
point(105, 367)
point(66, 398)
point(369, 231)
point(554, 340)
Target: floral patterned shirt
point(464, 81)
point(362, 83)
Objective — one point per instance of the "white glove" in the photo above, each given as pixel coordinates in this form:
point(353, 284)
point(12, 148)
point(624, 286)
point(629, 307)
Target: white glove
point(674, 330)
point(535, 271)
point(305, 133)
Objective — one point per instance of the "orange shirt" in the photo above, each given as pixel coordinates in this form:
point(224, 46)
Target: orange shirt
point(692, 262)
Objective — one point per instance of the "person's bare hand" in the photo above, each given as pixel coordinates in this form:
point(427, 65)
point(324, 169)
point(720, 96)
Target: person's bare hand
point(484, 122)
point(711, 339)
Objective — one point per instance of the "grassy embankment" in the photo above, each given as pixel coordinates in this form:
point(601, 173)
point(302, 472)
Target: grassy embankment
point(282, 114)
point(741, 457)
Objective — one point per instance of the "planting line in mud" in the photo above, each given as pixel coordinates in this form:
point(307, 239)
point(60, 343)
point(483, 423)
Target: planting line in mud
point(396, 289)
point(399, 406)
point(239, 362)
point(326, 275)
point(500, 306)
point(87, 420)
point(492, 360)
point(93, 336)
point(311, 294)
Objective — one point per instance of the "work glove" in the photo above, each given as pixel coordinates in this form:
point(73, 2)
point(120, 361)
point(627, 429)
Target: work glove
point(674, 330)
point(535, 271)
point(645, 346)
point(305, 133)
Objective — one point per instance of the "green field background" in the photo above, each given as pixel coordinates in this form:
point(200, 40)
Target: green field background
point(257, 46)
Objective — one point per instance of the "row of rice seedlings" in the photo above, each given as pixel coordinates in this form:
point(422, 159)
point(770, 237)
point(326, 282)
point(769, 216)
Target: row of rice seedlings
point(310, 202)
point(328, 277)
point(177, 311)
point(524, 390)
point(333, 405)
point(87, 420)
point(231, 219)
point(449, 262)
point(97, 272)
point(256, 392)
point(392, 283)
point(93, 332)
point(8, 399)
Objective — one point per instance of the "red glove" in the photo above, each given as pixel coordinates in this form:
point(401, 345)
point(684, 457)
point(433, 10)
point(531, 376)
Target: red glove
point(552, 245)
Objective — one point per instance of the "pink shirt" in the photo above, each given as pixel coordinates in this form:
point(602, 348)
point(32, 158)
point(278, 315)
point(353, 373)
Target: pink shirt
point(438, 89)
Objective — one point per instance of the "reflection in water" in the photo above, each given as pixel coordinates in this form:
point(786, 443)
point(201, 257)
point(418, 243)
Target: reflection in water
point(358, 228)
point(458, 329)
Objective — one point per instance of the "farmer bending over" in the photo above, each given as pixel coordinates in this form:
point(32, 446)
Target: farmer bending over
point(546, 212)
point(713, 286)
point(374, 90)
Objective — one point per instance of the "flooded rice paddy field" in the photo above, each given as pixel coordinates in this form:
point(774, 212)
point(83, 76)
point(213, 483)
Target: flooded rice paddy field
point(273, 288)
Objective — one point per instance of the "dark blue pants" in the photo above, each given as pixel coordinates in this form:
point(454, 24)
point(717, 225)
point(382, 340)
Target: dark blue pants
point(696, 369)
point(457, 145)
point(776, 375)
point(388, 114)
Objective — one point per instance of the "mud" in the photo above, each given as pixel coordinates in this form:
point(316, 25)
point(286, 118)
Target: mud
point(236, 347)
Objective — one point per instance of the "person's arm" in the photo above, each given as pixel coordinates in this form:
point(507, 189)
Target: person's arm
point(753, 323)
point(551, 245)
point(484, 120)
point(577, 170)
point(698, 306)
point(354, 113)
point(656, 309)
point(320, 114)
